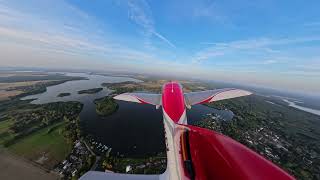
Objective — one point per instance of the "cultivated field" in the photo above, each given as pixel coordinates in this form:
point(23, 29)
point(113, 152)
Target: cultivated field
point(8, 90)
point(14, 168)
point(46, 147)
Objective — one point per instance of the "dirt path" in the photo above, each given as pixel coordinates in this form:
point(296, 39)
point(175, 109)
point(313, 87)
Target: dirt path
point(14, 168)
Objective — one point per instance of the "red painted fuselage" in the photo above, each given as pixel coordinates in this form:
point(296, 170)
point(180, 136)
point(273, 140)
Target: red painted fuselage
point(197, 153)
point(173, 100)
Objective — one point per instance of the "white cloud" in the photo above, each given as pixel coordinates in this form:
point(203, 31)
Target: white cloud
point(210, 10)
point(264, 42)
point(266, 46)
point(139, 12)
point(207, 54)
point(59, 38)
point(39, 38)
point(164, 39)
point(269, 62)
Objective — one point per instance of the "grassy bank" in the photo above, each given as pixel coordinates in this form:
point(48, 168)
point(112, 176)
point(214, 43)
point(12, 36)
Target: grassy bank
point(46, 146)
point(40, 133)
point(4, 127)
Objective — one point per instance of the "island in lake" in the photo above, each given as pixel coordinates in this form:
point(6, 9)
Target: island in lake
point(106, 106)
point(63, 94)
point(90, 91)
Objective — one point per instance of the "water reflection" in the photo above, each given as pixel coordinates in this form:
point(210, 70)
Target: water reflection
point(135, 129)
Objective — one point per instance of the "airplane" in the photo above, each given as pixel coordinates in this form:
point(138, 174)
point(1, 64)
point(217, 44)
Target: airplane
point(193, 152)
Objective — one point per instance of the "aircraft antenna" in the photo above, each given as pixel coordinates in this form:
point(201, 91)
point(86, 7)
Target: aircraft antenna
point(172, 86)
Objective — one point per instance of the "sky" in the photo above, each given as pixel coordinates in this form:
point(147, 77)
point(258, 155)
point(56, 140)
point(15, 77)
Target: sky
point(266, 43)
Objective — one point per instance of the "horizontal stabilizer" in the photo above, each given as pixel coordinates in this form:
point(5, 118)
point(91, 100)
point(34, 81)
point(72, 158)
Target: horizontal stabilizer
point(154, 99)
point(213, 95)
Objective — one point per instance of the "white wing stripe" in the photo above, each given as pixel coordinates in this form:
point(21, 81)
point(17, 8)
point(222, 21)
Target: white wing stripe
point(154, 99)
point(213, 95)
point(230, 94)
point(127, 97)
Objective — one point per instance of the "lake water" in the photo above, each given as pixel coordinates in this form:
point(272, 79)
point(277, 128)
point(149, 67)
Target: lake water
point(135, 130)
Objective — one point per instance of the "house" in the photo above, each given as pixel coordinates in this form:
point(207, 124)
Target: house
point(128, 168)
point(74, 172)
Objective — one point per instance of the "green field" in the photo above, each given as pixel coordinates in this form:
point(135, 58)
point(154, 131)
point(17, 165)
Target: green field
point(40, 133)
point(4, 126)
point(47, 142)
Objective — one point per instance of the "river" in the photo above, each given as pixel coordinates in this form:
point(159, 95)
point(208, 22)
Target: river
point(293, 104)
point(135, 130)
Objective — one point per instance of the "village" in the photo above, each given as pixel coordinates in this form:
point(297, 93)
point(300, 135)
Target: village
point(267, 139)
point(82, 158)
point(92, 155)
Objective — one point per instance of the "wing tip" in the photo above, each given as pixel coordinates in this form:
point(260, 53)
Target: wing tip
point(118, 97)
point(246, 93)
point(127, 97)
point(201, 97)
point(230, 94)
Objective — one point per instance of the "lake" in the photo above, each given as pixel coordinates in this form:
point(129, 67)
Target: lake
point(135, 130)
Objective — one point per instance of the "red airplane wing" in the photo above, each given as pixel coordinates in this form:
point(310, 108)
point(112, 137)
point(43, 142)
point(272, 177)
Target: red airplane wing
point(215, 156)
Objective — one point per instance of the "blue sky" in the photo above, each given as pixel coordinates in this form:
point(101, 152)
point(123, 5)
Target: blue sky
point(268, 43)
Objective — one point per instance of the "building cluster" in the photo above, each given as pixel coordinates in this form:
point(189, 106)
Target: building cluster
point(265, 139)
point(262, 139)
point(75, 161)
point(267, 142)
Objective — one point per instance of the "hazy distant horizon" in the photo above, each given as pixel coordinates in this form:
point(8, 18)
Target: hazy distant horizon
point(262, 43)
point(177, 76)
